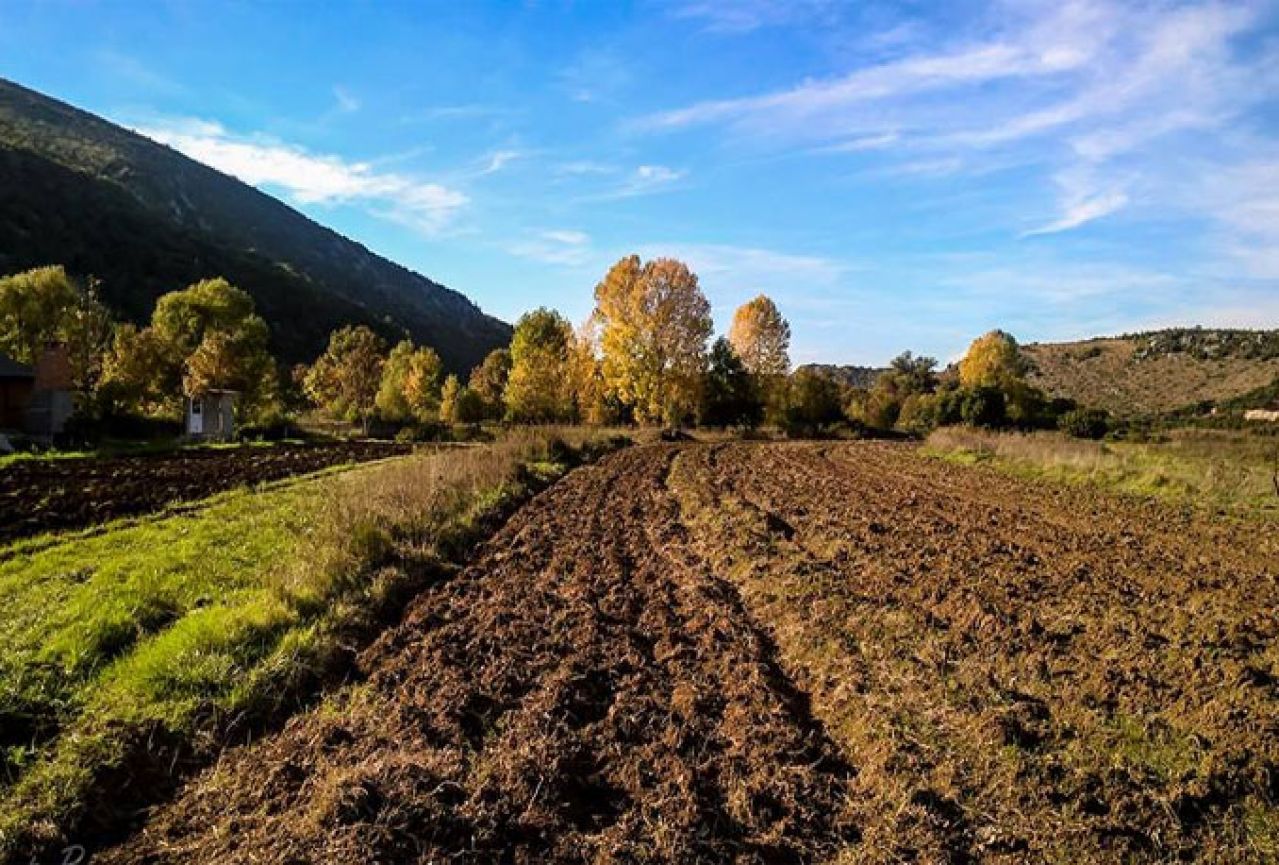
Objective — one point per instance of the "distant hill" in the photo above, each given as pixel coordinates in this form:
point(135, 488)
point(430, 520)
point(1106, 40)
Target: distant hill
point(1158, 371)
point(80, 191)
point(850, 376)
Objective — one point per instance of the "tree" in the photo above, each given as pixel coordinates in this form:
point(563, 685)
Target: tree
point(345, 379)
point(223, 362)
point(813, 401)
point(43, 306)
point(908, 374)
point(149, 369)
point(654, 322)
point(33, 306)
point(132, 372)
point(410, 387)
point(984, 406)
point(993, 360)
point(538, 389)
point(460, 404)
point(761, 338)
point(422, 383)
point(731, 394)
point(448, 398)
point(488, 381)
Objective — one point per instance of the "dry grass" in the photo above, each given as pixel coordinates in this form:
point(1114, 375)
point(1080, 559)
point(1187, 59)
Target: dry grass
point(1218, 469)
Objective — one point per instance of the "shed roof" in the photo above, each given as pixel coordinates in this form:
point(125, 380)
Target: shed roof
point(10, 368)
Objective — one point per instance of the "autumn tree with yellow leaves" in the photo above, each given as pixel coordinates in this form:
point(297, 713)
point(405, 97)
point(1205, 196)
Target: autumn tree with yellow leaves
point(537, 390)
point(761, 337)
point(654, 324)
point(993, 360)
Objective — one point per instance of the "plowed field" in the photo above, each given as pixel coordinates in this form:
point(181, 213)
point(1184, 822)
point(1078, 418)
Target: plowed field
point(790, 652)
point(49, 495)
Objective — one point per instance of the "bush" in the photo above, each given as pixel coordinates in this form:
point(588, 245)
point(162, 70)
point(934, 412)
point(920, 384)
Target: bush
point(984, 407)
point(1085, 423)
point(272, 426)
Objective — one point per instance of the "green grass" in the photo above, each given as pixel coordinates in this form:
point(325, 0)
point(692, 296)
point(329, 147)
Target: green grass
point(178, 626)
point(1220, 470)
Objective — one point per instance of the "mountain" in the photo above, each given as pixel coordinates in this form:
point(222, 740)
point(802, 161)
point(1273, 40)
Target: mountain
point(79, 191)
point(849, 376)
point(1157, 372)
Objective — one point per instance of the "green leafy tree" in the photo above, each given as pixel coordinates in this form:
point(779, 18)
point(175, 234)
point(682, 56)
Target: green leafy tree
point(731, 393)
point(204, 336)
point(410, 387)
point(345, 379)
point(43, 306)
point(538, 389)
point(813, 401)
point(488, 381)
point(984, 407)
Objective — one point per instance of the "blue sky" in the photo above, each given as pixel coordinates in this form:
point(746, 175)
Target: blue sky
point(895, 175)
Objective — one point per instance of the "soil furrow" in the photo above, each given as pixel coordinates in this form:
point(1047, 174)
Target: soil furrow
point(584, 692)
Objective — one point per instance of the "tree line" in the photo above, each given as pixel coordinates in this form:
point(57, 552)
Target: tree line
point(644, 356)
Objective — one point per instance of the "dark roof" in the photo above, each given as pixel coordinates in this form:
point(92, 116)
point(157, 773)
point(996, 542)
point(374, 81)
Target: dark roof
point(10, 368)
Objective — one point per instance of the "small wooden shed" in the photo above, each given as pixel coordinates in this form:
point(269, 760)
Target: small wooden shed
point(211, 415)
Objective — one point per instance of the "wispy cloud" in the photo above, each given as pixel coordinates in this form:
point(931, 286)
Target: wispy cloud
point(499, 159)
point(347, 102)
point(309, 178)
point(642, 180)
point(559, 247)
point(1080, 87)
point(744, 16)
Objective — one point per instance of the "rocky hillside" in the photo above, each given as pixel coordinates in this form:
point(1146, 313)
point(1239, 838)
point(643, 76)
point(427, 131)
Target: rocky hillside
point(1157, 371)
point(849, 376)
point(83, 192)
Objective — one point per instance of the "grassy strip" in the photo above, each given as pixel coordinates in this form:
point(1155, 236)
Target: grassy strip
point(1222, 470)
point(128, 656)
point(134, 449)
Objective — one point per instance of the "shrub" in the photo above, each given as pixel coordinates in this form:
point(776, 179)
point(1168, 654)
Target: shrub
point(984, 407)
point(1085, 423)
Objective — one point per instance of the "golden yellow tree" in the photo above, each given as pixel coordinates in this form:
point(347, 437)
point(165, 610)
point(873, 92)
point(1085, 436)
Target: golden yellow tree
point(993, 360)
point(654, 324)
point(761, 337)
point(537, 390)
point(586, 377)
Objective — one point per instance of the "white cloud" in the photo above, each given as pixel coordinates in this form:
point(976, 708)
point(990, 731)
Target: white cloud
point(1081, 86)
point(499, 159)
point(310, 178)
point(1082, 211)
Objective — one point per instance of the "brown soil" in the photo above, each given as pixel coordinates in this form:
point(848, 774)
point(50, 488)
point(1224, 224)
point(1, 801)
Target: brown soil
point(51, 495)
point(998, 672)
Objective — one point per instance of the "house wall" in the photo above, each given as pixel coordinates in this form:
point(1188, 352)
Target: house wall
point(14, 395)
point(48, 412)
